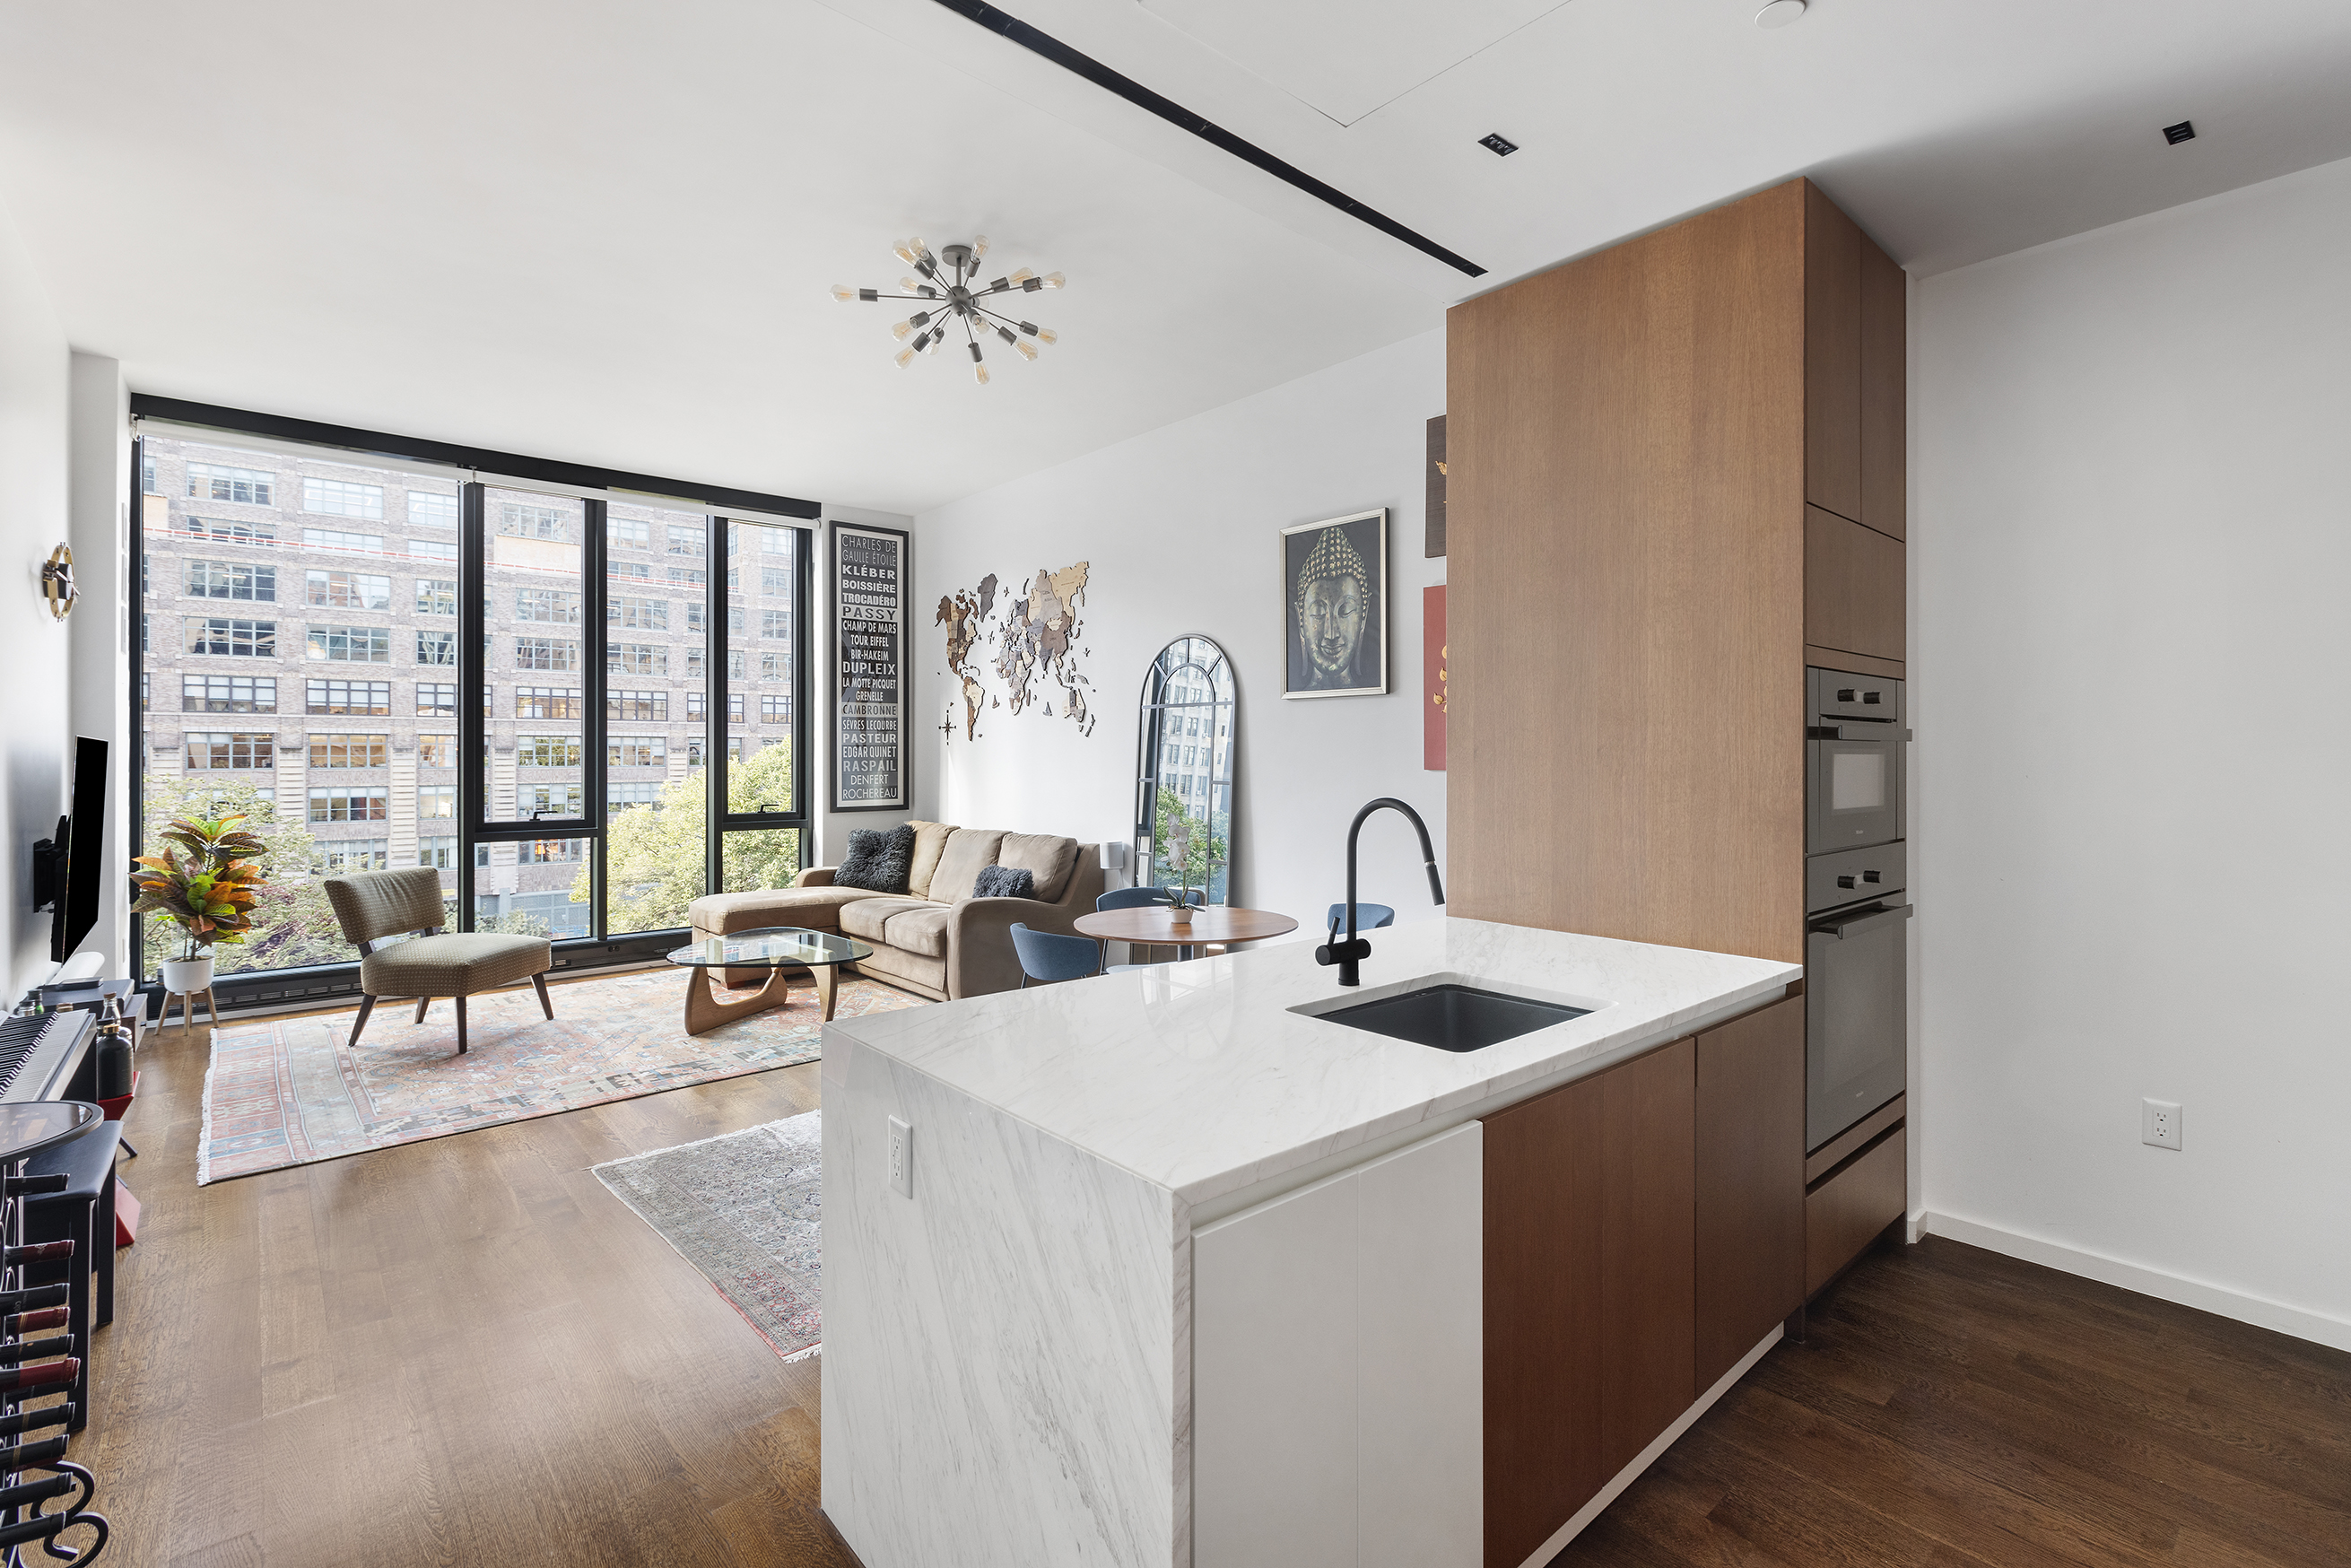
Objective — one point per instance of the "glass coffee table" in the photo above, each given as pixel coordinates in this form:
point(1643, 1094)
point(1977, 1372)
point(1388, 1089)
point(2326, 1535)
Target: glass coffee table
point(778, 948)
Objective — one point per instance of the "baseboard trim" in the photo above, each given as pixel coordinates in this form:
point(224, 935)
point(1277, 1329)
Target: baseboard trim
point(2261, 1312)
point(1650, 1455)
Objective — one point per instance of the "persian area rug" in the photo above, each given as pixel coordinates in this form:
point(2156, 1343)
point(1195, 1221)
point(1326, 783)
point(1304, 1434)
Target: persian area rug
point(289, 1091)
point(744, 1209)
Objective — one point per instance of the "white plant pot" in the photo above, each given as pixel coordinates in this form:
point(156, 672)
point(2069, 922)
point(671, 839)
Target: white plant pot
point(186, 976)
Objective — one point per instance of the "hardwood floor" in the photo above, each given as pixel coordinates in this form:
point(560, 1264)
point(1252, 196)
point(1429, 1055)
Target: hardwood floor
point(467, 1352)
point(1954, 1407)
point(464, 1351)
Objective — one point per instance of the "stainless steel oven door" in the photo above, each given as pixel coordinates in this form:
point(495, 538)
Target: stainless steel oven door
point(1853, 787)
point(1856, 1016)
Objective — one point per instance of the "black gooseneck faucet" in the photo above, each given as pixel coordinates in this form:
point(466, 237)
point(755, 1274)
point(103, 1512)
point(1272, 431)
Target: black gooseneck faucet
point(1354, 949)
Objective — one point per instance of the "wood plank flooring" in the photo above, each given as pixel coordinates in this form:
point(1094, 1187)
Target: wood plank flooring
point(1954, 1407)
point(467, 1352)
point(464, 1351)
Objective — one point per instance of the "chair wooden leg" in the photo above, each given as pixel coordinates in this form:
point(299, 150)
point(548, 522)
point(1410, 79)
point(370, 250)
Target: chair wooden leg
point(460, 1003)
point(367, 1006)
point(547, 1004)
point(421, 1003)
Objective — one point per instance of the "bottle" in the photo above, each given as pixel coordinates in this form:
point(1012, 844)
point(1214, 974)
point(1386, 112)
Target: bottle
point(112, 1052)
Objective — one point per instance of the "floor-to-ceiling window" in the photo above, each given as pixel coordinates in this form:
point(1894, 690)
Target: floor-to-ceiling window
point(622, 695)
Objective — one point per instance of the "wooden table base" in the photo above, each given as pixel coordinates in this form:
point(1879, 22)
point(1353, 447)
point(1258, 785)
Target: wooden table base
point(705, 1009)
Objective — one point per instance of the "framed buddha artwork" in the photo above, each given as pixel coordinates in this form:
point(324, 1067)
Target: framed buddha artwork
point(1334, 583)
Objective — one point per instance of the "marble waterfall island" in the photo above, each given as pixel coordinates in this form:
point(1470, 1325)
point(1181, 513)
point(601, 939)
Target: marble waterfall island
point(1011, 1352)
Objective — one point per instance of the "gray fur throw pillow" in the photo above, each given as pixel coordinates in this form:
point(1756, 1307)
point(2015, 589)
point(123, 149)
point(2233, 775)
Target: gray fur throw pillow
point(877, 862)
point(1004, 881)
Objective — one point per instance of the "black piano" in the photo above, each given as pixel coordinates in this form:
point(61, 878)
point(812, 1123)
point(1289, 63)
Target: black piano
point(45, 1056)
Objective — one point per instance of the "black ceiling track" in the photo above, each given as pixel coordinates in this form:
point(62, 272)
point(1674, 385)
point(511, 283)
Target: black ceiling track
point(1207, 130)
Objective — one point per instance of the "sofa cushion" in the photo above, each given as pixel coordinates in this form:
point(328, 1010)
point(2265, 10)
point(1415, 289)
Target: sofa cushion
point(1001, 881)
point(812, 908)
point(922, 930)
point(1045, 856)
point(877, 860)
point(869, 914)
point(968, 849)
point(930, 838)
point(907, 969)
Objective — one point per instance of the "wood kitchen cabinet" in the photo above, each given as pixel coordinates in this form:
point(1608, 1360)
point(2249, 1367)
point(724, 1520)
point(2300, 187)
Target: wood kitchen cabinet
point(1853, 587)
point(1750, 1185)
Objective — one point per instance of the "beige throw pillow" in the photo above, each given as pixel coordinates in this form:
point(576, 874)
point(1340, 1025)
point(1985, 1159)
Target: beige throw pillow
point(930, 838)
point(968, 849)
point(1047, 857)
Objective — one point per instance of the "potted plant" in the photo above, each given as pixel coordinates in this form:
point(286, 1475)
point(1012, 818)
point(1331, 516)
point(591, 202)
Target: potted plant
point(209, 894)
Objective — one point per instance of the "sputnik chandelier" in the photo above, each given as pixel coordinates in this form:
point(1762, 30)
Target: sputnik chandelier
point(952, 296)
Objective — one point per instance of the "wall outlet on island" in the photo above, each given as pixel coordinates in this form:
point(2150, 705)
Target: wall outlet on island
point(902, 1158)
point(2158, 1124)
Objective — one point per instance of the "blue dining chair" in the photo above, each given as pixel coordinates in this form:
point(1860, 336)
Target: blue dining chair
point(1047, 957)
point(1368, 916)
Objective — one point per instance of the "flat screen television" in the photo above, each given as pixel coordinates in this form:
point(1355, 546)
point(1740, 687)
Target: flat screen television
point(83, 838)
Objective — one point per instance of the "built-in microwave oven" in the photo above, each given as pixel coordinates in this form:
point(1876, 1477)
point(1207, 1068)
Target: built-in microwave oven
point(1852, 761)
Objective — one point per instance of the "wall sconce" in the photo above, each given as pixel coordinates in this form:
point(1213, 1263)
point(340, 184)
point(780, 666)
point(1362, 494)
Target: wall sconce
point(57, 583)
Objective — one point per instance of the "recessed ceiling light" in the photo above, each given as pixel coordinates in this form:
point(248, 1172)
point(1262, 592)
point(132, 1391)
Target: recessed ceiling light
point(2183, 131)
point(1500, 145)
point(1780, 13)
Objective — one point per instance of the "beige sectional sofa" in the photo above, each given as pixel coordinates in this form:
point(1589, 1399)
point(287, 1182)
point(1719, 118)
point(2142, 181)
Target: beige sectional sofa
point(937, 938)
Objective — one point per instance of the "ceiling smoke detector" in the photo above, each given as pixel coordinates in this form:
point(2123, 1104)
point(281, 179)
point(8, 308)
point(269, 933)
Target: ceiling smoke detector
point(1780, 13)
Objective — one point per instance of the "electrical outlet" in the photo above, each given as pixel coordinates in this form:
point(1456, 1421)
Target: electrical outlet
point(2158, 1124)
point(902, 1158)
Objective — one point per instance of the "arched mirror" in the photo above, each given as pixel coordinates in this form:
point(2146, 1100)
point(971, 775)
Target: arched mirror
point(1184, 791)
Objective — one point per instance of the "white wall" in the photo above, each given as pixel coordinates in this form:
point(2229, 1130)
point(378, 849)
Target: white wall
point(34, 732)
point(2133, 554)
point(98, 489)
point(1181, 527)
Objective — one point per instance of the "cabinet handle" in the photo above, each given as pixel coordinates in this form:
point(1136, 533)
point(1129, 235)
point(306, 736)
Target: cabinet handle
point(1860, 923)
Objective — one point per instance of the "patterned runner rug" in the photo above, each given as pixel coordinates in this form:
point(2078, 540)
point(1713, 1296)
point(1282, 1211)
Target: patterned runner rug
point(288, 1091)
point(744, 1209)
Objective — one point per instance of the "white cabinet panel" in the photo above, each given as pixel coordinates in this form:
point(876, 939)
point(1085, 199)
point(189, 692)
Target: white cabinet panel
point(1337, 1369)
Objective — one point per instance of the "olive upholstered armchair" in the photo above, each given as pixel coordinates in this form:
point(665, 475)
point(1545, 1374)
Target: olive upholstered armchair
point(372, 906)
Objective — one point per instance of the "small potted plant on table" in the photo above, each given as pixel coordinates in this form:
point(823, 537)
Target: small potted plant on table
point(209, 895)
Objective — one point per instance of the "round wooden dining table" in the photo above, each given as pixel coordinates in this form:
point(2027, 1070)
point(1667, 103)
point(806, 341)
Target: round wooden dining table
point(1148, 924)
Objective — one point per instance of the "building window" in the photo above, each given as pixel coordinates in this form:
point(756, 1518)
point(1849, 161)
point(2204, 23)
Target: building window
point(228, 693)
point(693, 752)
point(548, 800)
point(638, 569)
point(735, 620)
point(638, 793)
point(775, 582)
point(734, 666)
point(350, 803)
point(440, 852)
point(262, 534)
point(230, 580)
point(437, 799)
point(632, 532)
point(684, 542)
point(547, 751)
point(693, 704)
point(437, 751)
point(338, 540)
point(635, 659)
point(547, 604)
point(775, 623)
point(430, 510)
point(547, 702)
point(436, 596)
point(688, 574)
point(520, 522)
point(347, 750)
point(437, 648)
point(433, 549)
point(775, 667)
point(336, 855)
point(356, 699)
point(637, 751)
point(773, 541)
point(347, 589)
point(237, 639)
point(341, 498)
point(351, 644)
point(211, 750)
point(552, 851)
point(734, 708)
point(546, 654)
point(695, 619)
point(214, 482)
point(775, 707)
point(436, 698)
point(639, 706)
point(637, 615)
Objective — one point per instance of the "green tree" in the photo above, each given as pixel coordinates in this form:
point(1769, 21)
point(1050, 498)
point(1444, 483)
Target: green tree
point(292, 925)
point(653, 854)
point(1204, 845)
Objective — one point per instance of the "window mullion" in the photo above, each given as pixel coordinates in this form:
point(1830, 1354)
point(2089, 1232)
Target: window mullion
point(473, 723)
point(596, 639)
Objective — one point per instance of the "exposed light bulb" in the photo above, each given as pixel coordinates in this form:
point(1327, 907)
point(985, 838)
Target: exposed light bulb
point(905, 250)
point(1025, 349)
point(980, 373)
point(1023, 275)
point(939, 339)
point(905, 357)
point(1047, 335)
point(901, 330)
point(978, 246)
point(913, 286)
point(846, 295)
point(1052, 280)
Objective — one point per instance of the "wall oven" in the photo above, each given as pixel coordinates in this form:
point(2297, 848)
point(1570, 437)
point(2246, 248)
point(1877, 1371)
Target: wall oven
point(1852, 761)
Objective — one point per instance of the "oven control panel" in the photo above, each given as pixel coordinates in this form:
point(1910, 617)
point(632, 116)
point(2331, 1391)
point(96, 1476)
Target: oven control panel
point(1848, 876)
point(1836, 694)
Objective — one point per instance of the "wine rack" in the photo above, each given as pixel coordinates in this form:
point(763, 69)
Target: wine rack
point(45, 1498)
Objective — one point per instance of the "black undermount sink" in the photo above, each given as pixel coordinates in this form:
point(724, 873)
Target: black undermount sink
point(1454, 1017)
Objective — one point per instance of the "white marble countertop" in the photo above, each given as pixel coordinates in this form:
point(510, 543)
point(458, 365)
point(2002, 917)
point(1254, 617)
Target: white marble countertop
point(1199, 1076)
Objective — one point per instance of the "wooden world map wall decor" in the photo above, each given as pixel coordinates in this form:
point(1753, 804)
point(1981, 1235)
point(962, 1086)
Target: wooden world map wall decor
point(1035, 639)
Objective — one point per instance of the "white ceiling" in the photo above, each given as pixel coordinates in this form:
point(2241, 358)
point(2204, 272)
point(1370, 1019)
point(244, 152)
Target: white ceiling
point(605, 232)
